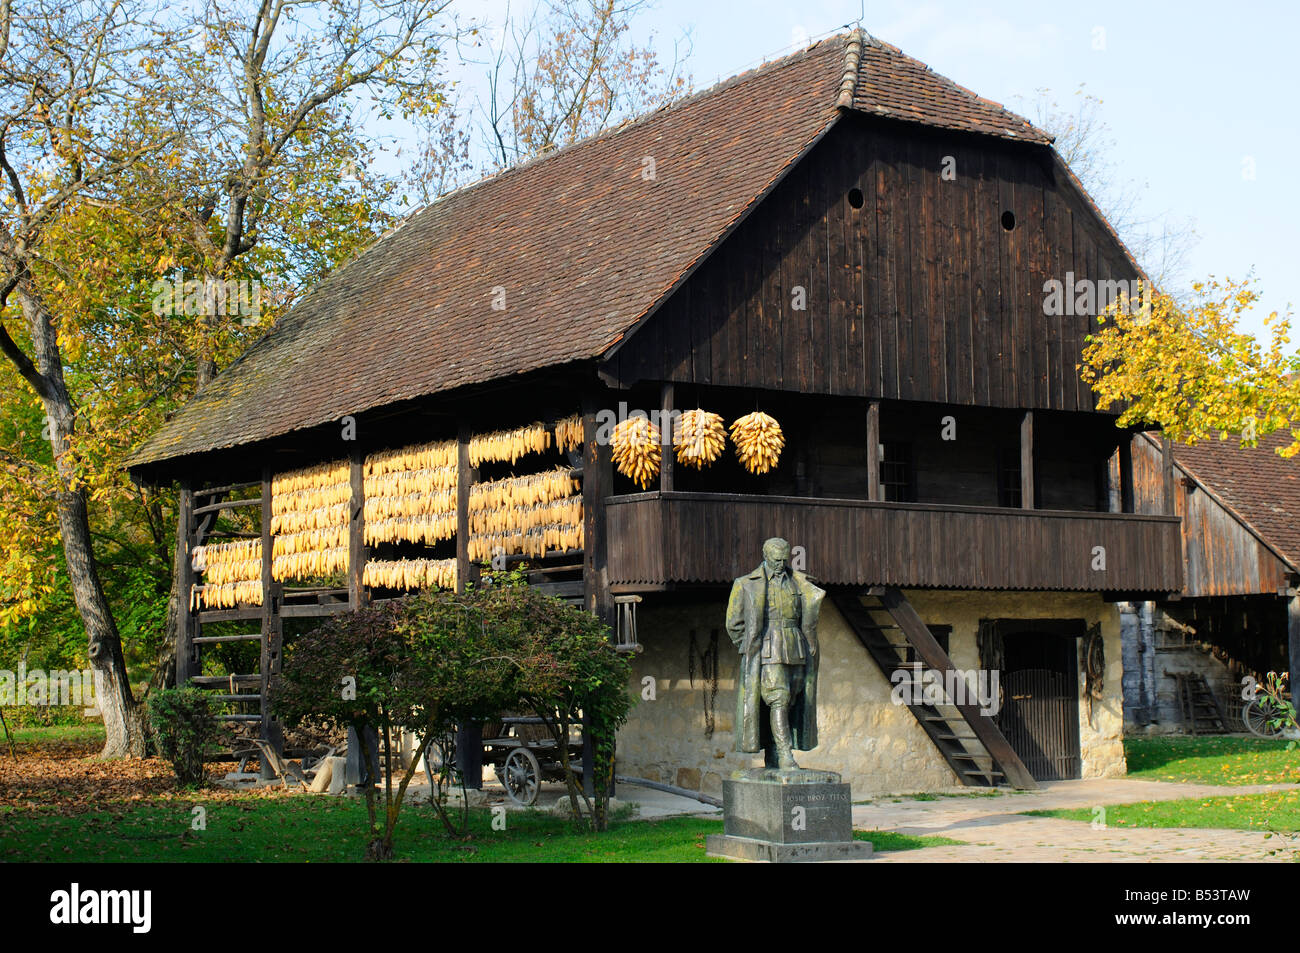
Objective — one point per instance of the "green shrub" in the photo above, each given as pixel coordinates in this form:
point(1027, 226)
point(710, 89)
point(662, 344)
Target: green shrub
point(184, 728)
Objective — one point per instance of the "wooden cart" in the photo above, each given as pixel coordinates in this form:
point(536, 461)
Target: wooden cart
point(523, 754)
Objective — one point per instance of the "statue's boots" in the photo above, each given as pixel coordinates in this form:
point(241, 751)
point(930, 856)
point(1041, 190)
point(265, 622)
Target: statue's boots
point(781, 737)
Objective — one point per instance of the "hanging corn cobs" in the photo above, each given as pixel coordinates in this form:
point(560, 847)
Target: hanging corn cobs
point(232, 575)
point(410, 494)
point(699, 438)
point(228, 595)
point(636, 452)
point(509, 445)
point(525, 515)
point(758, 441)
point(309, 521)
point(424, 456)
point(410, 573)
point(568, 433)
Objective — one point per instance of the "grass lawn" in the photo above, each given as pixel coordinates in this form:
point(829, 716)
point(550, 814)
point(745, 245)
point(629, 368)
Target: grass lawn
point(91, 733)
point(1275, 811)
point(1212, 760)
point(326, 829)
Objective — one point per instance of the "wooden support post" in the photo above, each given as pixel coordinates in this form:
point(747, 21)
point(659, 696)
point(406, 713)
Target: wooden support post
point(1126, 473)
point(469, 753)
point(272, 626)
point(464, 477)
point(666, 439)
point(1293, 640)
point(186, 663)
point(1167, 476)
point(873, 450)
point(597, 477)
point(357, 552)
point(1027, 461)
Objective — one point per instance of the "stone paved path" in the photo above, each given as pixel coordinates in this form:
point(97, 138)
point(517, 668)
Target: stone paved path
point(994, 832)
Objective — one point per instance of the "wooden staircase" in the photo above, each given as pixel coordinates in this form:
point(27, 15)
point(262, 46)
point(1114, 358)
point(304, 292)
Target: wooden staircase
point(898, 641)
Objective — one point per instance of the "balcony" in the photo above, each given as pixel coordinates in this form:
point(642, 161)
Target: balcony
point(662, 538)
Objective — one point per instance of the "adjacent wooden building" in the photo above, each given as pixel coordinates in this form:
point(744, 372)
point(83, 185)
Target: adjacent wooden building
point(841, 239)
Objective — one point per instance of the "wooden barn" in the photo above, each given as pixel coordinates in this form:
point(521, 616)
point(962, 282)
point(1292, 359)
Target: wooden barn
point(1238, 613)
point(842, 241)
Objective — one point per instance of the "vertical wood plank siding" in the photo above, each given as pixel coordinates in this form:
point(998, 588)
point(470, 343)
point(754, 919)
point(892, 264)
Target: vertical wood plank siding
point(657, 538)
point(920, 294)
point(1221, 556)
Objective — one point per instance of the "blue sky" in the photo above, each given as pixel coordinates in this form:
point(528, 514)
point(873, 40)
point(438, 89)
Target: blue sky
point(1195, 94)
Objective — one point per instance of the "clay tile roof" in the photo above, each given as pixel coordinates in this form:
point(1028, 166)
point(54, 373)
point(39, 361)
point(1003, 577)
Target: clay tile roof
point(1262, 488)
point(582, 243)
point(892, 84)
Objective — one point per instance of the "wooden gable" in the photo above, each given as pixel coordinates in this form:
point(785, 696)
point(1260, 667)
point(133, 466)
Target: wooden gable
point(919, 294)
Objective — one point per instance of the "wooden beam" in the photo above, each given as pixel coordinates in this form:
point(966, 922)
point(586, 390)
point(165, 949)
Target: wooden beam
point(272, 625)
point(463, 480)
point(186, 663)
point(873, 450)
point(1126, 473)
point(1167, 475)
point(597, 478)
point(666, 438)
point(357, 552)
point(1027, 461)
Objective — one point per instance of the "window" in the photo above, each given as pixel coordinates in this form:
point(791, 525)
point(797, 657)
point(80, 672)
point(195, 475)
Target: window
point(897, 475)
point(1009, 477)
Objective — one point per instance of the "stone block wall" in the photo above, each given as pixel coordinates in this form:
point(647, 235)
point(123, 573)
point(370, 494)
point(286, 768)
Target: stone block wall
point(877, 745)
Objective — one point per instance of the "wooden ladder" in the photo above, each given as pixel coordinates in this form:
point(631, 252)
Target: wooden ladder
point(898, 641)
point(200, 510)
point(1202, 713)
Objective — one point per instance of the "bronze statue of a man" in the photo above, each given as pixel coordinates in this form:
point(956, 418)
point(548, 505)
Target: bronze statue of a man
point(772, 619)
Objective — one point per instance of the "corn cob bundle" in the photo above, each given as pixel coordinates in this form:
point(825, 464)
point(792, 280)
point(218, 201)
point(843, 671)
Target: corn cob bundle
point(537, 541)
point(635, 444)
point(427, 481)
point(524, 518)
point(410, 573)
point(699, 438)
point(215, 554)
point(320, 478)
point(301, 520)
point(568, 433)
point(226, 596)
point(328, 537)
point(758, 441)
point(502, 445)
point(527, 490)
point(426, 529)
point(410, 504)
point(310, 564)
point(423, 456)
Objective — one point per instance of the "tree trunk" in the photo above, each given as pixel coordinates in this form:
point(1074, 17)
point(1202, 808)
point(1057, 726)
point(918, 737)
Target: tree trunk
point(123, 725)
point(164, 670)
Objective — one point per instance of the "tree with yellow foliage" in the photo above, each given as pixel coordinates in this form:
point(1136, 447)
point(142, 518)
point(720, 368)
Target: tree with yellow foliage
point(1190, 370)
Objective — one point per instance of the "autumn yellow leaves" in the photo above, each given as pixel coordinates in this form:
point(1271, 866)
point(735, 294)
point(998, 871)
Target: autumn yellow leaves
point(699, 437)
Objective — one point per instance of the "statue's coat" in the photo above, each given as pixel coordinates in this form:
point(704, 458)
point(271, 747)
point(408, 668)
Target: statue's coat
point(745, 626)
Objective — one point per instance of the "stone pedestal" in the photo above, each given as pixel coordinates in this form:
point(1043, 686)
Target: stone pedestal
point(784, 816)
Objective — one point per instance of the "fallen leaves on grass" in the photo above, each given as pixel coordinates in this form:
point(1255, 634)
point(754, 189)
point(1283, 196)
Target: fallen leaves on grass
point(70, 778)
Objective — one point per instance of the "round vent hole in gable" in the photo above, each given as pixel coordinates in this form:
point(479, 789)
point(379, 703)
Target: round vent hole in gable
point(1008, 220)
point(856, 198)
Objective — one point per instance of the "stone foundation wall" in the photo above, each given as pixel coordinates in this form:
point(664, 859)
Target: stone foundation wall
point(877, 745)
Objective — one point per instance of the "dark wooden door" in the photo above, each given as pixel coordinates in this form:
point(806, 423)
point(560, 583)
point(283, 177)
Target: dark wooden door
point(1040, 704)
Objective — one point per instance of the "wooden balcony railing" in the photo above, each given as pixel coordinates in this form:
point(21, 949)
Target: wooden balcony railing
point(660, 538)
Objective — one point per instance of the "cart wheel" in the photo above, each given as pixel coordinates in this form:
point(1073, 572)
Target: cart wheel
point(1257, 715)
point(521, 776)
